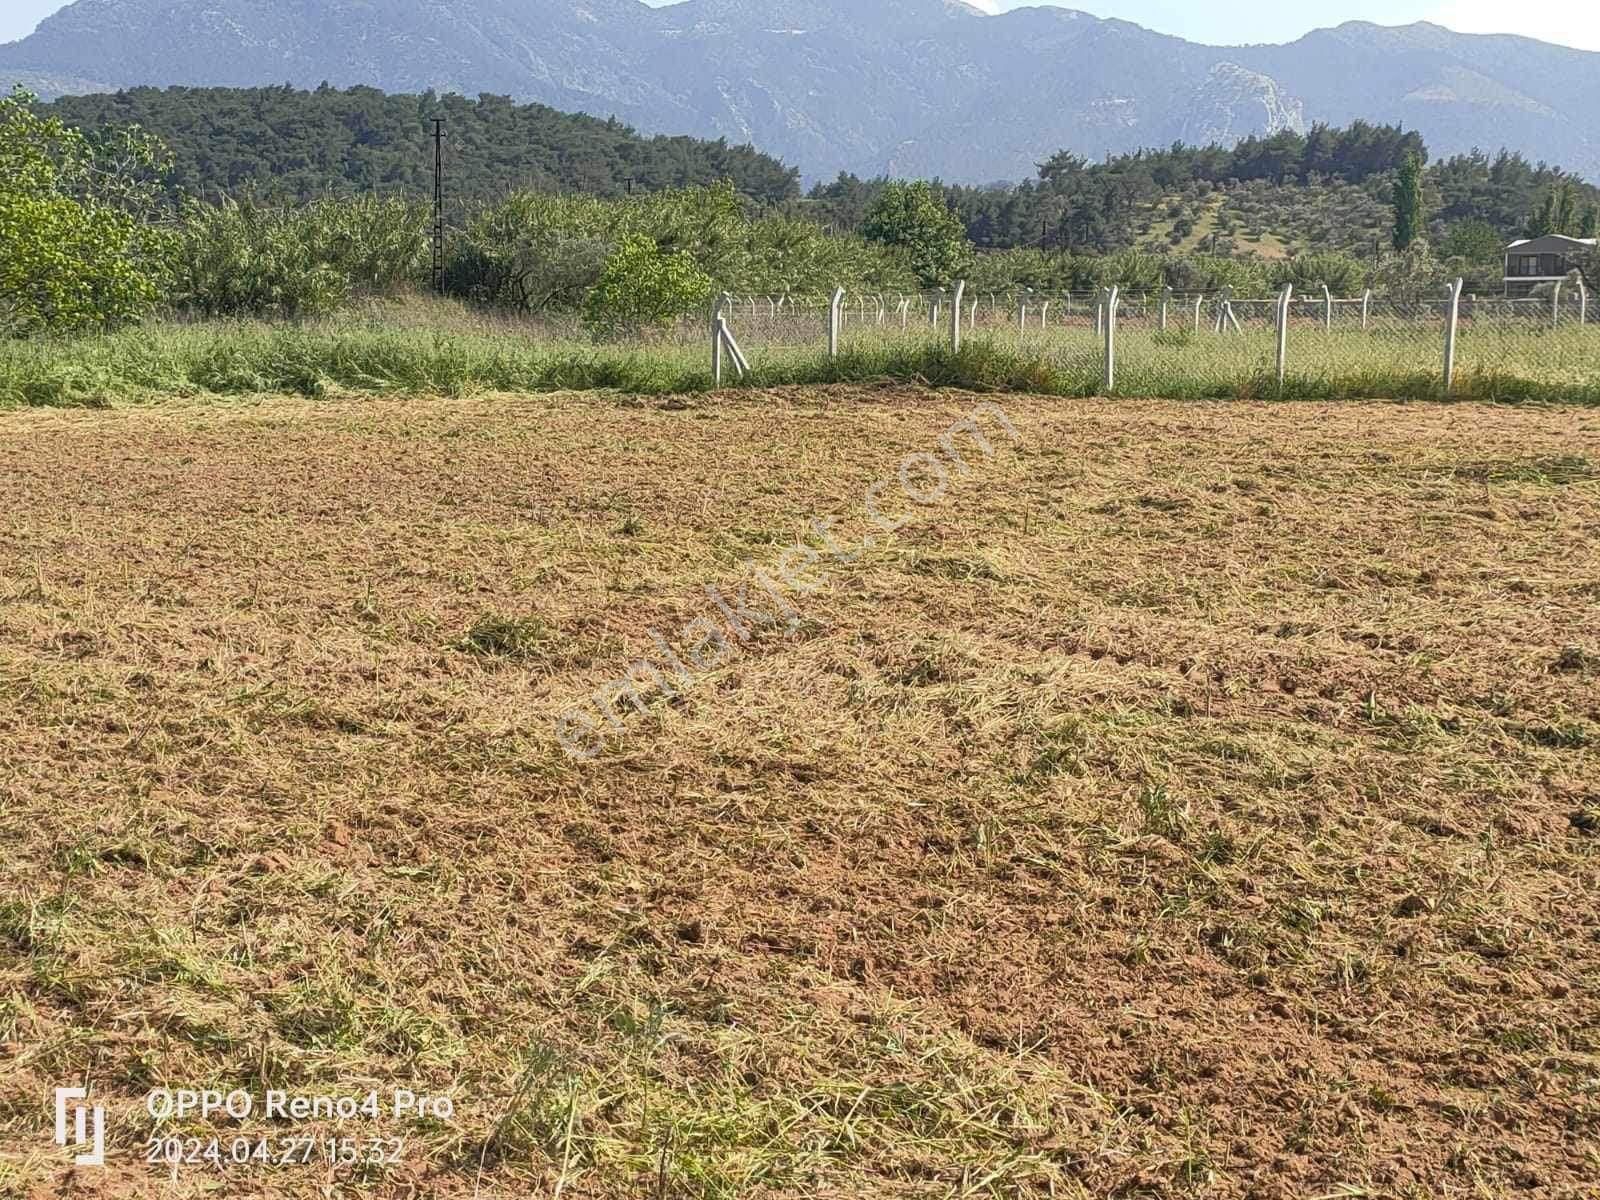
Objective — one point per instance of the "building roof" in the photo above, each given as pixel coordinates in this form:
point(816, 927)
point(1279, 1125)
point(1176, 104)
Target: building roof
point(1553, 242)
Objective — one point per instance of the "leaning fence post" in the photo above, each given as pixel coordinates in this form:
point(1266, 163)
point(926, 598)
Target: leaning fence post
point(833, 322)
point(1283, 333)
point(1452, 323)
point(1109, 308)
point(1366, 308)
point(955, 317)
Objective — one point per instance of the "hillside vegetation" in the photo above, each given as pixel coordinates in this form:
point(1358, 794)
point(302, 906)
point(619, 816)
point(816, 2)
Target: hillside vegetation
point(283, 145)
point(918, 88)
point(1327, 190)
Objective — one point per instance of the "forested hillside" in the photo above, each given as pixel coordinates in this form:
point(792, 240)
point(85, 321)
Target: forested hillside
point(1328, 189)
point(278, 143)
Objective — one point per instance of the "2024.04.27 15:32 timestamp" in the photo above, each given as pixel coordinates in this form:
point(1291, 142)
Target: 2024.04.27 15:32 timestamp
point(267, 1152)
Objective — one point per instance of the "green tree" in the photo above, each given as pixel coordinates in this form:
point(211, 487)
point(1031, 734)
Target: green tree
point(1409, 221)
point(1589, 226)
point(1475, 241)
point(1566, 214)
point(1413, 274)
point(74, 253)
point(1543, 221)
point(914, 219)
point(643, 285)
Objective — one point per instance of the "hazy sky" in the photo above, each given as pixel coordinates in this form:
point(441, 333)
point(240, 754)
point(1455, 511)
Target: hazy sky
point(1571, 22)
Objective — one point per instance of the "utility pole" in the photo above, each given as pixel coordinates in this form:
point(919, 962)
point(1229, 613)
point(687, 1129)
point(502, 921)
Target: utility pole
point(438, 205)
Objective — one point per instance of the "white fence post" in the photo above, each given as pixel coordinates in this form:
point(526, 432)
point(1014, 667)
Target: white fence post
point(1166, 300)
point(741, 364)
point(1555, 306)
point(1327, 309)
point(834, 310)
point(1583, 304)
point(724, 343)
point(716, 342)
point(1199, 303)
point(1452, 323)
point(1284, 301)
point(955, 316)
point(1109, 307)
point(1366, 308)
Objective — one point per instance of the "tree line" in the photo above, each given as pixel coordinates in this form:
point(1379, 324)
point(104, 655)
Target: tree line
point(282, 145)
point(94, 232)
point(1077, 206)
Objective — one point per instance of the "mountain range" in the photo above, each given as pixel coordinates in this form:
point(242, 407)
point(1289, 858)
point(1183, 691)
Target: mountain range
point(905, 87)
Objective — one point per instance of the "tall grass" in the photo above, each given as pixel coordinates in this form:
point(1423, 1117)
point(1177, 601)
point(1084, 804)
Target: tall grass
point(428, 349)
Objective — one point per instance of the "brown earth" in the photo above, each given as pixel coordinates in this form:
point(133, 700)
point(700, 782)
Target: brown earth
point(1192, 799)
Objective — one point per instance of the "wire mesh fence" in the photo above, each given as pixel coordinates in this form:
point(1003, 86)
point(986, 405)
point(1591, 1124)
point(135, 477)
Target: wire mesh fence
point(1214, 344)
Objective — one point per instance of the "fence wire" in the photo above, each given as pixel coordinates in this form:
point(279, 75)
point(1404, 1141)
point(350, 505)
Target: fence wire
point(1175, 344)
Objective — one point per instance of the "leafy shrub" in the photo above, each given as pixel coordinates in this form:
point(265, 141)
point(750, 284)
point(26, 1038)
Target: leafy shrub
point(244, 259)
point(643, 285)
point(1310, 273)
point(75, 251)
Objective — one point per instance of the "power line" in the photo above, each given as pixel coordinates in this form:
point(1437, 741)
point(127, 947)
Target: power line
point(439, 205)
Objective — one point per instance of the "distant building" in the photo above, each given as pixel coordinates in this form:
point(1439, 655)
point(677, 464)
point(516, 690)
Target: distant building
point(1533, 261)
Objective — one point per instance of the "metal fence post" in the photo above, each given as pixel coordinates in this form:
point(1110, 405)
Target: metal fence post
point(1199, 303)
point(1166, 300)
point(1109, 307)
point(1583, 304)
point(833, 322)
point(1452, 323)
point(1283, 333)
point(955, 317)
point(1327, 309)
point(1366, 308)
point(1555, 307)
